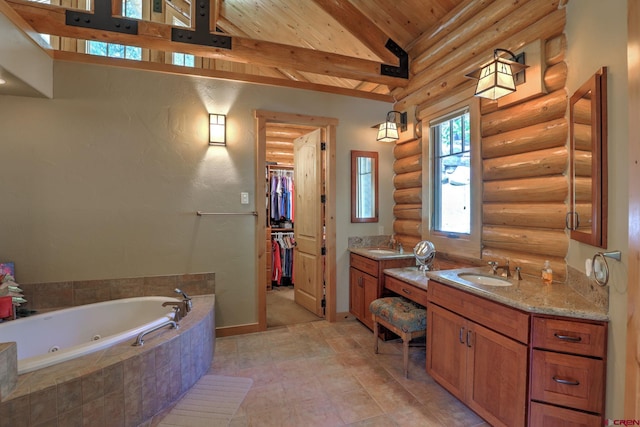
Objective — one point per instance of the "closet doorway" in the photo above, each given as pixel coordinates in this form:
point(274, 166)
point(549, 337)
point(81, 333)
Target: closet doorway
point(313, 226)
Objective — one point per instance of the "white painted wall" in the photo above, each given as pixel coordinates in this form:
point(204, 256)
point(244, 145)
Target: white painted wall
point(597, 36)
point(103, 181)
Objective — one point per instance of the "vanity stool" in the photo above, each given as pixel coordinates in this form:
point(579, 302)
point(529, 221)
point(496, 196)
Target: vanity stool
point(401, 316)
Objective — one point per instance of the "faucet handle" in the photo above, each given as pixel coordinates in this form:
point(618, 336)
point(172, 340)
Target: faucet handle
point(494, 266)
point(518, 276)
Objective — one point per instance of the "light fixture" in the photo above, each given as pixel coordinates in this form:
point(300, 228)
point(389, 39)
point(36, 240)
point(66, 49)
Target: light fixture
point(2, 81)
point(498, 77)
point(217, 129)
point(388, 130)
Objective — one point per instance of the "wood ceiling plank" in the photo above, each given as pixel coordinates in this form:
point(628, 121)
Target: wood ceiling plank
point(49, 19)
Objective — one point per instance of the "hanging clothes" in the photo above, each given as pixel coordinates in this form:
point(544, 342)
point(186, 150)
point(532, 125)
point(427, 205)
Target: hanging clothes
point(282, 245)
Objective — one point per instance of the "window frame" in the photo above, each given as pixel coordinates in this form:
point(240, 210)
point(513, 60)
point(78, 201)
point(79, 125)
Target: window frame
point(458, 244)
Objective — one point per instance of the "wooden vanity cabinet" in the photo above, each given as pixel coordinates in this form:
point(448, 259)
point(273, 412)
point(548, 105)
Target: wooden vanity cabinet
point(568, 363)
point(477, 350)
point(366, 282)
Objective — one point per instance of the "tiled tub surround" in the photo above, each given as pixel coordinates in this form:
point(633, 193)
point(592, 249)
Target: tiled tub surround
point(55, 295)
point(120, 386)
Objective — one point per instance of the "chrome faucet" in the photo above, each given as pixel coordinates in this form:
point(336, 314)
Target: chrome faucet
point(495, 267)
point(181, 308)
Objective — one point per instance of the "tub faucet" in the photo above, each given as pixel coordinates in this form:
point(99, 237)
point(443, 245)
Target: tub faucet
point(186, 299)
point(181, 308)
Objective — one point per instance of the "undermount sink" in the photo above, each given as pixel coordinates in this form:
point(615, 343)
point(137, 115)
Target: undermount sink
point(382, 251)
point(481, 279)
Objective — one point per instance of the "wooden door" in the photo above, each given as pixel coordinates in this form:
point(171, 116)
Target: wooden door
point(496, 377)
point(307, 258)
point(446, 349)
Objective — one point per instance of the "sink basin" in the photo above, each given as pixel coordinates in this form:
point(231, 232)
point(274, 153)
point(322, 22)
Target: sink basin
point(382, 251)
point(481, 279)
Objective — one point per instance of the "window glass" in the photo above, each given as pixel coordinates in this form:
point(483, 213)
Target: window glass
point(451, 136)
point(183, 59)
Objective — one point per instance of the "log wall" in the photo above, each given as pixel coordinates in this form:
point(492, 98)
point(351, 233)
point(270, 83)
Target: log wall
point(524, 145)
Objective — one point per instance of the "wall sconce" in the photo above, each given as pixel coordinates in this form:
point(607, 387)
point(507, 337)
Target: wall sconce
point(498, 77)
point(217, 129)
point(388, 130)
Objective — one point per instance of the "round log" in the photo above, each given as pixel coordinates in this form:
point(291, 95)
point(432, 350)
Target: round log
point(530, 240)
point(408, 195)
point(408, 180)
point(408, 242)
point(488, 105)
point(447, 74)
point(531, 138)
point(555, 77)
point(552, 161)
point(408, 211)
point(465, 32)
point(555, 50)
point(582, 189)
point(582, 163)
point(582, 111)
point(408, 164)
point(531, 264)
point(408, 227)
point(532, 190)
point(400, 151)
point(582, 137)
point(537, 215)
point(543, 109)
point(585, 215)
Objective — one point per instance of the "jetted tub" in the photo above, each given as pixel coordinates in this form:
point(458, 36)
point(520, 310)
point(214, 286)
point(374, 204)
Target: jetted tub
point(57, 336)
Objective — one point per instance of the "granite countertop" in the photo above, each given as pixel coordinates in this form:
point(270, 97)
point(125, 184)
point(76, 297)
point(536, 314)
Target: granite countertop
point(381, 253)
point(529, 294)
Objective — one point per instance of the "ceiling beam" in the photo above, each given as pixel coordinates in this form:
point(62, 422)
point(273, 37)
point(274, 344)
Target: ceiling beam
point(359, 25)
point(48, 19)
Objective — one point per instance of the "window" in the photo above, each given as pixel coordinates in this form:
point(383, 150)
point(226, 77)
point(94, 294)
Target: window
point(453, 163)
point(132, 9)
point(451, 139)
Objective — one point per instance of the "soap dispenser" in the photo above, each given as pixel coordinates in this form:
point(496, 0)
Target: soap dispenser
point(547, 273)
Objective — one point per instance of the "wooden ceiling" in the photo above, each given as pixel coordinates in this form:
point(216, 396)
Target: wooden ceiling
point(335, 46)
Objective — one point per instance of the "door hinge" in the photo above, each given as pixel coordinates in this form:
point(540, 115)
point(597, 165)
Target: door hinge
point(323, 146)
point(323, 251)
point(323, 199)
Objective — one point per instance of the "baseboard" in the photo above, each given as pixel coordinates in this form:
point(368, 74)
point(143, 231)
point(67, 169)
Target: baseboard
point(228, 331)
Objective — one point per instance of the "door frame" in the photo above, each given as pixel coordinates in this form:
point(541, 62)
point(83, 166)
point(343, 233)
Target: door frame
point(329, 125)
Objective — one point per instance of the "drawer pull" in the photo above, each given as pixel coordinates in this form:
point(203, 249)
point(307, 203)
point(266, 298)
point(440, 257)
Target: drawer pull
point(460, 337)
point(565, 381)
point(469, 338)
point(567, 337)
point(406, 291)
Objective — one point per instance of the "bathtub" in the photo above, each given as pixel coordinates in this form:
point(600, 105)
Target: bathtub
point(50, 338)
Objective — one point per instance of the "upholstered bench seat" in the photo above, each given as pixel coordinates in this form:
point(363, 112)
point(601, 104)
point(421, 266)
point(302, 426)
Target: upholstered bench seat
point(401, 316)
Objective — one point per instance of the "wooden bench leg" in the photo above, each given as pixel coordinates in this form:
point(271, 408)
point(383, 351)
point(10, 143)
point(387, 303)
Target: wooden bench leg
point(405, 349)
point(375, 335)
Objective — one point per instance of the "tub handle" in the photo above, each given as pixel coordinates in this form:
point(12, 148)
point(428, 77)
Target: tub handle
point(140, 341)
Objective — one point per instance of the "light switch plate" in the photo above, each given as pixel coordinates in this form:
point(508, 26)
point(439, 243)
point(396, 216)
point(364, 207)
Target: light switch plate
point(244, 198)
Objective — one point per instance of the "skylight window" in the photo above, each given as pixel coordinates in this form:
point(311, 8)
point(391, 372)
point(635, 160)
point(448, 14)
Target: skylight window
point(132, 9)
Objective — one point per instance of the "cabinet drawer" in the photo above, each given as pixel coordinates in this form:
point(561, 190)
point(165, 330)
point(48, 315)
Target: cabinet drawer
point(570, 336)
point(568, 380)
point(502, 319)
point(551, 416)
point(406, 290)
point(364, 264)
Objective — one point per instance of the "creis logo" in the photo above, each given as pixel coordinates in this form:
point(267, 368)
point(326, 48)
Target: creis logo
point(610, 422)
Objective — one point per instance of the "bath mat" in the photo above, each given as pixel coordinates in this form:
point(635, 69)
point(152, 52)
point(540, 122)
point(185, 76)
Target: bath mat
point(211, 402)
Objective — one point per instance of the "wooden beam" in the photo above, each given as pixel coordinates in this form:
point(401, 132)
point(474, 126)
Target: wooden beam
point(359, 25)
point(49, 19)
point(216, 74)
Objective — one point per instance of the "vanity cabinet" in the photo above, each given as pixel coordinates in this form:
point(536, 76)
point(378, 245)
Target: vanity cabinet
point(568, 365)
point(366, 282)
point(477, 350)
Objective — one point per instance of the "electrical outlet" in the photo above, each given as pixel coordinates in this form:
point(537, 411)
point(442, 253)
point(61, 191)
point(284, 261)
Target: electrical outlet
point(244, 198)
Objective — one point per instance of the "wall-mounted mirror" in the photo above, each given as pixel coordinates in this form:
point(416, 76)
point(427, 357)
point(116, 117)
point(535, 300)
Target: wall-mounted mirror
point(587, 218)
point(364, 186)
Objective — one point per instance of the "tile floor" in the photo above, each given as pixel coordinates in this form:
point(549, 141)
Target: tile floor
point(326, 374)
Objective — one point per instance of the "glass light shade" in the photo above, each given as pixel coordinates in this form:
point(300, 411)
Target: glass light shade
point(217, 129)
point(388, 132)
point(496, 80)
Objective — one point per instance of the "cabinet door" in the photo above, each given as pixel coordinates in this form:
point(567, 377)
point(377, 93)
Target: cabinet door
point(496, 377)
point(356, 292)
point(446, 349)
point(370, 285)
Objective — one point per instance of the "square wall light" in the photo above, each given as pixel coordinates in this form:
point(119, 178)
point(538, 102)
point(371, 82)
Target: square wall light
point(217, 129)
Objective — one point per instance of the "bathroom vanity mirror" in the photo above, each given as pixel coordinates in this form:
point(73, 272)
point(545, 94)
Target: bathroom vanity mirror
point(587, 218)
point(364, 186)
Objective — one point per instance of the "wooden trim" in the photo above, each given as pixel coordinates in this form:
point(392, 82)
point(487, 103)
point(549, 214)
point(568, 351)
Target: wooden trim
point(228, 331)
